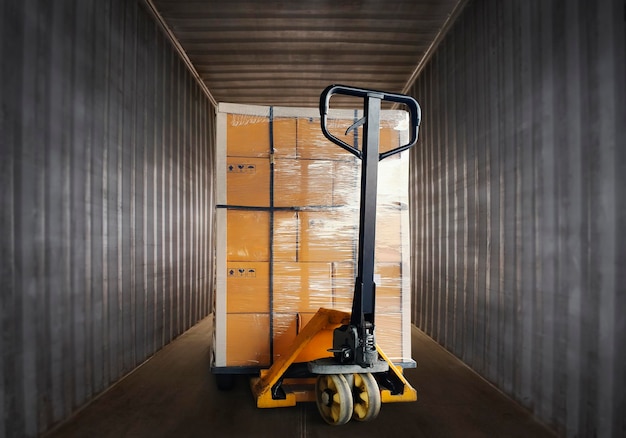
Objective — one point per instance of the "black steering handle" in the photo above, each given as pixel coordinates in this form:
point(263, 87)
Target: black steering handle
point(415, 114)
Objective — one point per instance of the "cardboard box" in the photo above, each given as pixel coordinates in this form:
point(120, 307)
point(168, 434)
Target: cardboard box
point(249, 136)
point(307, 236)
point(247, 286)
point(388, 279)
point(389, 136)
point(248, 235)
point(347, 183)
point(285, 245)
point(393, 174)
point(247, 339)
point(284, 130)
point(297, 182)
point(343, 285)
point(303, 183)
point(248, 181)
point(302, 286)
point(388, 331)
point(328, 236)
point(316, 183)
point(388, 236)
point(312, 145)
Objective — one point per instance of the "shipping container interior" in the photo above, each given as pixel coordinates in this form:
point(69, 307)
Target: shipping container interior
point(516, 201)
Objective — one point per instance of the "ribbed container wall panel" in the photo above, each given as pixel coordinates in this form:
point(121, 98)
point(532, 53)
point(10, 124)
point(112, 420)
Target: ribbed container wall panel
point(106, 218)
point(518, 205)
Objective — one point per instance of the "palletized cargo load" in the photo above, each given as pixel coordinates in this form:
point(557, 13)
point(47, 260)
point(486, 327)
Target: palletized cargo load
point(287, 216)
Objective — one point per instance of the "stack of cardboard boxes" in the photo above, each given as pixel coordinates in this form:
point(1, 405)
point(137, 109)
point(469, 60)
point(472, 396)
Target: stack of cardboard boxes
point(287, 227)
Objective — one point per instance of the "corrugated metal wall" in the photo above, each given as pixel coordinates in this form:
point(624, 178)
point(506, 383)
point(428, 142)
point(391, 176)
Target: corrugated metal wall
point(518, 200)
point(106, 194)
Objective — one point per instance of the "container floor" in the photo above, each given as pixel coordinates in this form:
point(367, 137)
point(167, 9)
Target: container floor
point(174, 395)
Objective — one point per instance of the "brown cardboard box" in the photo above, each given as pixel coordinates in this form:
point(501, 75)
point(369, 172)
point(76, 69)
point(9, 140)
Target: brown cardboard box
point(343, 285)
point(328, 236)
point(389, 137)
point(248, 235)
point(302, 183)
point(347, 183)
point(249, 136)
point(388, 278)
point(388, 333)
point(392, 177)
point(248, 181)
point(302, 287)
point(247, 286)
point(247, 339)
point(388, 236)
point(285, 245)
point(284, 130)
point(297, 183)
point(312, 145)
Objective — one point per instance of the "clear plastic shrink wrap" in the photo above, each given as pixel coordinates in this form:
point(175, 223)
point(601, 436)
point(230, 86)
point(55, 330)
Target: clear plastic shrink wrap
point(287, 227)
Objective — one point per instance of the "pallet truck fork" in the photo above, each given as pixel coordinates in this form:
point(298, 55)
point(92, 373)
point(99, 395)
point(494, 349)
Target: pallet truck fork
point(359, 377)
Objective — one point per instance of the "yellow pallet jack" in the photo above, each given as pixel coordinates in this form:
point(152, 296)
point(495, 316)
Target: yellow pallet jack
point(359, 377)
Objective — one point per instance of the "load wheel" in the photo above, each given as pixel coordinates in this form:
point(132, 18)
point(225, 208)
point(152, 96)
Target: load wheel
point(366, 397)
point(334, 399)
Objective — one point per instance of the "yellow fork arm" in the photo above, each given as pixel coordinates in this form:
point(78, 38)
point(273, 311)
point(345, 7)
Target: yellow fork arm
point(323, 319)
point(409, 394)
point(261, 387)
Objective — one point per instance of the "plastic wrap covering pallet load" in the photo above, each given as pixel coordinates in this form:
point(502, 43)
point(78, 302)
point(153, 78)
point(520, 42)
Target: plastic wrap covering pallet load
point(287, 233)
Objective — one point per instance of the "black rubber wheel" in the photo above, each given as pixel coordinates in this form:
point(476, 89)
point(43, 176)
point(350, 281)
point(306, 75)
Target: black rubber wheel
point(225, 382)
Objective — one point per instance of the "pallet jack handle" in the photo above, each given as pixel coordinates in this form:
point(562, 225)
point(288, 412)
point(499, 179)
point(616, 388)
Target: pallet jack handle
point(413, 107)
point(355, 343)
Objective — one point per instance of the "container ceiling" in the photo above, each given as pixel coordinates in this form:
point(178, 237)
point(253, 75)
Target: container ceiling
point(286, 52)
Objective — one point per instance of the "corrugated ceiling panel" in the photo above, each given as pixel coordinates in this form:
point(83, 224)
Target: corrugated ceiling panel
point(286, 53)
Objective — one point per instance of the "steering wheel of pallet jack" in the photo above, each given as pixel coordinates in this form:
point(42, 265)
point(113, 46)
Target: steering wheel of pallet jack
point(334, 399)
point(366, 397)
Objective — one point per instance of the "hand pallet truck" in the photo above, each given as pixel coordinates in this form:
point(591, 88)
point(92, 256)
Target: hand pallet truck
point(359, 377)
